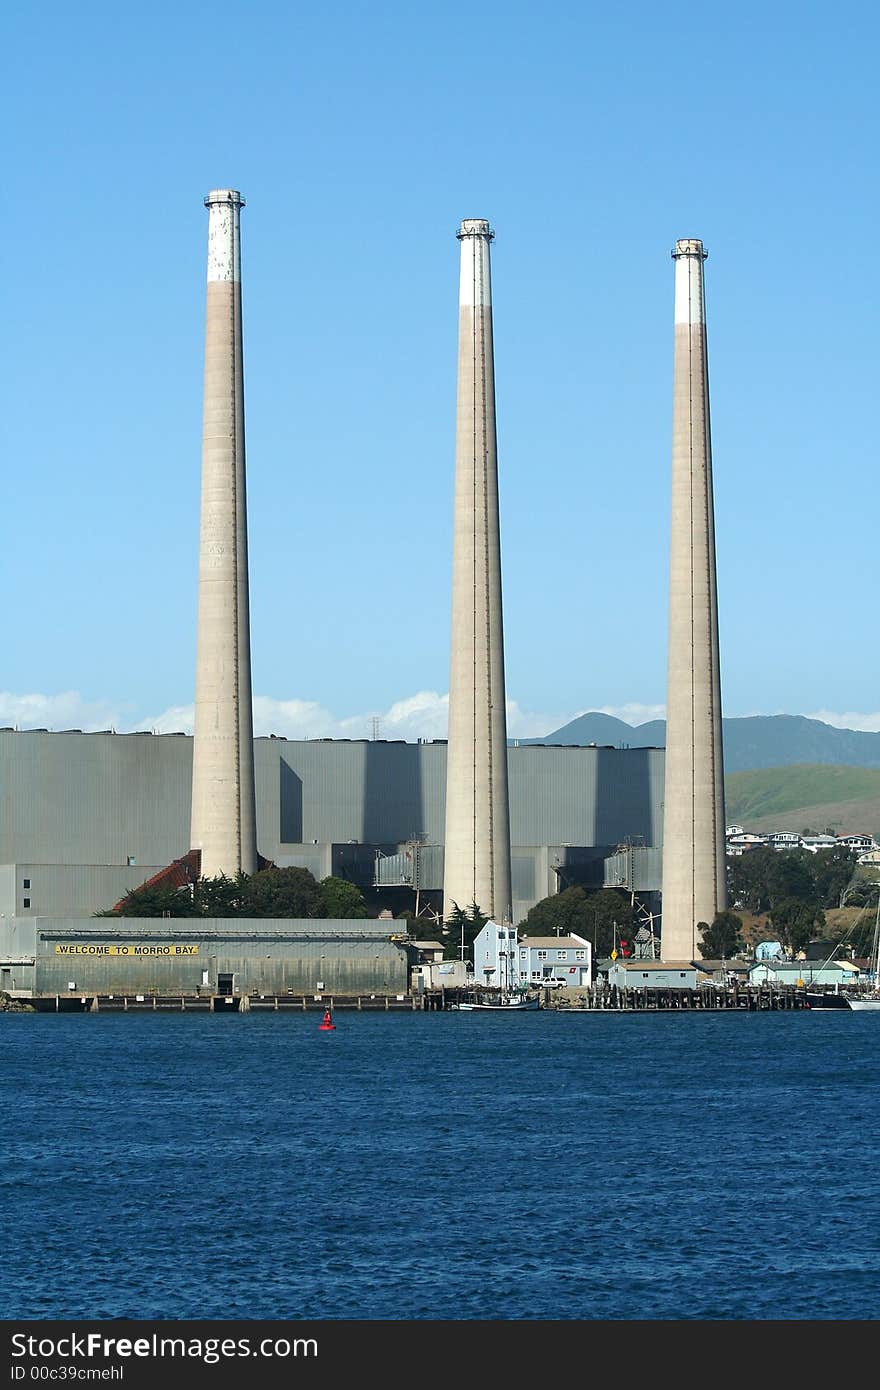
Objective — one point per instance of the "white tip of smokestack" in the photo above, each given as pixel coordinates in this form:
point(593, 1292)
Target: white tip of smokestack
point(689, 246)
point(475, 288)
point(224, 248)
point(224, 195)
point(475, 226)
point(689, 254)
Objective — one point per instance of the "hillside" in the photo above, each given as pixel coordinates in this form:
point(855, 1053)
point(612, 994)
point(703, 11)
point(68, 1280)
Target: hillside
point(814, 796)
point(774, 791)
point(759, 741)
point(843, 817)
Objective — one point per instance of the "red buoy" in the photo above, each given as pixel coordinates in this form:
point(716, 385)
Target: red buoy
point(328, 1026)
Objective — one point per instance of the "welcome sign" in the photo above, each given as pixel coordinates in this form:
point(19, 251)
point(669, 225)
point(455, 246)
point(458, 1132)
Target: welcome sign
point(147, 948)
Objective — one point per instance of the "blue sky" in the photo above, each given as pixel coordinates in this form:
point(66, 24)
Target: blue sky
point(592, 136)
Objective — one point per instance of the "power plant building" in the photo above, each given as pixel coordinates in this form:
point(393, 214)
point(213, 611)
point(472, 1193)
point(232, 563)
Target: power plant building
point(84, 817)
point(87, 817)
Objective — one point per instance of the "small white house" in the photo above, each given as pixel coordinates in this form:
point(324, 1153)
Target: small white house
point(807, 972)
point(742, 841)
point(862, 843)
point(565, 958)
point(784, 839)
point(428, 951)
point(440, 974)
point(646, 974)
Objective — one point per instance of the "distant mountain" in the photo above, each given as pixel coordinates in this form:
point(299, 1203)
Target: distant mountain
point(763, 740)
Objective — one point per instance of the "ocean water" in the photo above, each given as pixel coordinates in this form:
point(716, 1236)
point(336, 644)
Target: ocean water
point(462, 1166)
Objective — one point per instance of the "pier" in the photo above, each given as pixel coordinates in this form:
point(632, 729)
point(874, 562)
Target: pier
point(604, 997)
point(231, 1003)
point(599, 997)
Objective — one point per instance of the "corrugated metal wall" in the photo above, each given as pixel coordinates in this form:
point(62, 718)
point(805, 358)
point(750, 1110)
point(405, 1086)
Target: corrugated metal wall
point(49, 889)
point(265, 957)
point(98, 799)
point(93, 798)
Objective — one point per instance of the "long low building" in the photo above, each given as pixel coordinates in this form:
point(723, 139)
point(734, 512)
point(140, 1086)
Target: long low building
point(84, 817)
point(42, 956)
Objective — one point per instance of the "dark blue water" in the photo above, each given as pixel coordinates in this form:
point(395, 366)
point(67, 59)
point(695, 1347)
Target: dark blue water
point(441, 1166)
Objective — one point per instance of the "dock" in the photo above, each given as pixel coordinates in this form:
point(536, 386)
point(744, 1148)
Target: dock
point(599, 997)
point(751, 998)
point(226, 1003)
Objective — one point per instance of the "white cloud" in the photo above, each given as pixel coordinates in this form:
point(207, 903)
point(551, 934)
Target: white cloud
point(65, 711)
point(423, 715)
point(866, 723)
point(176, 720)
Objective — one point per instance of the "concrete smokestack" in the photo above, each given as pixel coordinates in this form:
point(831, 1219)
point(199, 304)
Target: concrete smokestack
point(694, 885)
point(477, 856)
point(223, 803)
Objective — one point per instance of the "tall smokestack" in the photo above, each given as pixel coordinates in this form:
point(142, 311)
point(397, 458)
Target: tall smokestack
point(694, 884)
point(223, 803)
point(477, 857)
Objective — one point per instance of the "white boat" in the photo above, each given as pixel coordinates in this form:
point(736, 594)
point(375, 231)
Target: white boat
point(870, 1000)
point(504, 1006)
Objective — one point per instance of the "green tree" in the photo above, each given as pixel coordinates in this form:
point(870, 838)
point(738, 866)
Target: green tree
point(221, 896)
point(603, 918)
point(274, 892)
point(796, 922)
point(558, 915)
point(460, 930)
point(749, 877)
point(155, 902)
point(341, 899)
point(767, 880)
point(723, 939)
point(792, 875)
point(832, 871)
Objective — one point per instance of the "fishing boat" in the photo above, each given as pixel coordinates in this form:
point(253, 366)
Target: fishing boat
point(826, 999)
point(502, 1006)
point(870, 1000)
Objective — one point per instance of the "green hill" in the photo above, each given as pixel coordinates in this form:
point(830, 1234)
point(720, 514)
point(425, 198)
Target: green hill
point(814, 795)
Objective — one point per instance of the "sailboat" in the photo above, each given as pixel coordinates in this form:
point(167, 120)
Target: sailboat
point(510, 999)
point(870, 1000)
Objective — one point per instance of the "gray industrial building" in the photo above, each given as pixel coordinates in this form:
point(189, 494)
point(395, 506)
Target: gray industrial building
point(86, 816)
point(215, 956)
